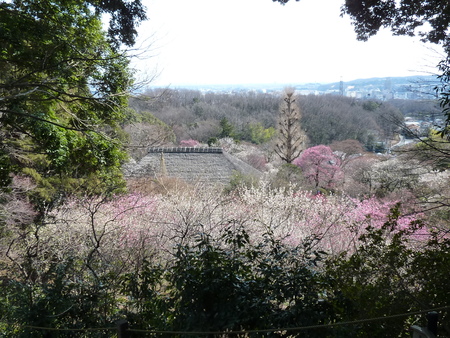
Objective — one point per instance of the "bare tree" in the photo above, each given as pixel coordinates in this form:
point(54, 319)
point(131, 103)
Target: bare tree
point(291, 138)
point(142, 135)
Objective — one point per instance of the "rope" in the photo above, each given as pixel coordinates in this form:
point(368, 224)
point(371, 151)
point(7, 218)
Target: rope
point(289, 329)
point(59, 329)
point(302, 328)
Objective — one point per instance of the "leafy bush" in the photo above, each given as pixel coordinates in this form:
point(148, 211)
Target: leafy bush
point(388, 275)
point(233, 285)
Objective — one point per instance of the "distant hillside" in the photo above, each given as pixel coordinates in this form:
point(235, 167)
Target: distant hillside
point(383, 81)
point(423, 84)
point(384, 88)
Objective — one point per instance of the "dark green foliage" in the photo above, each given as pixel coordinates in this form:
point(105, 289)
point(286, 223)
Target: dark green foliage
point(386, 275)
point(212, 141)
point(124, 17)
point(236, 286)
point(257, 134)
point(371, 105)
point(227, 129)
point(148, 307)
point(288, 174)
point(405, 17)
point(5, 169)
point(64, 86)
point(444, 90)
point(61, 298)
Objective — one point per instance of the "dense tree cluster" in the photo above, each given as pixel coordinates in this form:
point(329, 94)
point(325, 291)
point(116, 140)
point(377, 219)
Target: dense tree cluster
point(253, 116)
point(200, 116)
point(422, 110)
point(332, 118)
point(64, 85)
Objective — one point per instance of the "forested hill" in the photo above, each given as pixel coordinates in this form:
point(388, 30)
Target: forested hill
point(252, 116)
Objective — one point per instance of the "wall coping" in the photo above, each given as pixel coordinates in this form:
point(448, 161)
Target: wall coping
point(215, 150)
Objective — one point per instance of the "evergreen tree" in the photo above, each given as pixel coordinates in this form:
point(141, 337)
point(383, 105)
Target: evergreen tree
point(64, 85)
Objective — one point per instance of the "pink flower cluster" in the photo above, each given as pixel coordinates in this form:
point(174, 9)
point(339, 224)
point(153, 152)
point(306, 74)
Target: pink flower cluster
point(320, 166)
point(189, 143)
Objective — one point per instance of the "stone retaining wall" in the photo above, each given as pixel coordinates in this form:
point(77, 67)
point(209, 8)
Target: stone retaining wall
point(192, 165)
point(185, 150)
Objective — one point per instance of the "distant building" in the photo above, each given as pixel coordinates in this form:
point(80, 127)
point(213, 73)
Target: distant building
point(387, 92)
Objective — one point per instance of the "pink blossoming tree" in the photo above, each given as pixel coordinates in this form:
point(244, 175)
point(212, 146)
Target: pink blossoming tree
point(321, 167)
point(189, 143)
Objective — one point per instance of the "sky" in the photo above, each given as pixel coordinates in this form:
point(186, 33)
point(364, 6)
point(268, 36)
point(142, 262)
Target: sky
point(200, 42)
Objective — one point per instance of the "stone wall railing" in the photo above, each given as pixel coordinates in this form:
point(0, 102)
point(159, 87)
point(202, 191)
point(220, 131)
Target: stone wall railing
point(214, 150)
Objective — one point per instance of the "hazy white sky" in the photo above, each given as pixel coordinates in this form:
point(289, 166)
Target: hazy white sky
point(259, 41)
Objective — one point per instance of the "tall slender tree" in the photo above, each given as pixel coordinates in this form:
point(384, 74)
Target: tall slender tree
point(291, 138)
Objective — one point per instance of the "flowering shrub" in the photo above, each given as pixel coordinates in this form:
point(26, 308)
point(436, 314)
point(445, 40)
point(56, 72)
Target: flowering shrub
point(15, 206)
point(337, 219)
point(320, 166)
point(114, 233)
point(257, 161)
point(135, 225)
point(189, 143)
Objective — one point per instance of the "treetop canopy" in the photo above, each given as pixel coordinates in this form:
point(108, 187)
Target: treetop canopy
point(64, 87)
point(429, 19)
